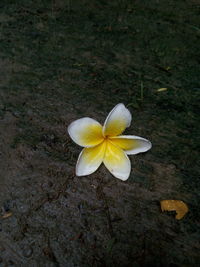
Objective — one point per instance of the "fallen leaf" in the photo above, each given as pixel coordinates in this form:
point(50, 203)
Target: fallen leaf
point(174, 205)
point(161, 89)
point(7, 215)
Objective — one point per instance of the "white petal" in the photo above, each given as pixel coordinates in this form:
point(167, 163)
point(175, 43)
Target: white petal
point(86, 132)
point(131, 144)
point(117, 162)
point(117, 121)
point(90, 159)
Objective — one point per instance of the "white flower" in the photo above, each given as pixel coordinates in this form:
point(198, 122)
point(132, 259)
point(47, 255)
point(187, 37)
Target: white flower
point(106, 144)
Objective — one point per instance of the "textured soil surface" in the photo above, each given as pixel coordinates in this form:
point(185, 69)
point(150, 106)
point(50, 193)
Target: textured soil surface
point(61, 60)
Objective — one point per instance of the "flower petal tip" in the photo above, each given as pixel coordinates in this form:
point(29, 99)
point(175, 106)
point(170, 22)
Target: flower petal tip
point(117, 120)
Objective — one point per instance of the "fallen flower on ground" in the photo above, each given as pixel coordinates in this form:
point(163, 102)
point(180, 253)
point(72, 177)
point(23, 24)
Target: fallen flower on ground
point(106, 144)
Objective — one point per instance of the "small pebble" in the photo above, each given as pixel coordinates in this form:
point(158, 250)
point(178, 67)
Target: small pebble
point(27, 251)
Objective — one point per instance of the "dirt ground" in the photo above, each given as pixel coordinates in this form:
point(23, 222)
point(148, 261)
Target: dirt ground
point(61, 60)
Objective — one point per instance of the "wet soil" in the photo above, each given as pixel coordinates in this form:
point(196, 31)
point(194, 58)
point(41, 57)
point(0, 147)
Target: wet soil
point(63, 60)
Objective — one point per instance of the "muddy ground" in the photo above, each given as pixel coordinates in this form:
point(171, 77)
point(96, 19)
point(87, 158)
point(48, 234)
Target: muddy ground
point(61, 60)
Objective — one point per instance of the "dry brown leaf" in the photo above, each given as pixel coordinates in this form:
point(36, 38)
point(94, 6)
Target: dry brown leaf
point(174, 205)
point(7, 215)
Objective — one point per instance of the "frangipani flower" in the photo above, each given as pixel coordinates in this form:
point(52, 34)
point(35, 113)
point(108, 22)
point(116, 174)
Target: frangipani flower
point(106, 144)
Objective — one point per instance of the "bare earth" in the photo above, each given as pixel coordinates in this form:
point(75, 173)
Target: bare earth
point(63, 60)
